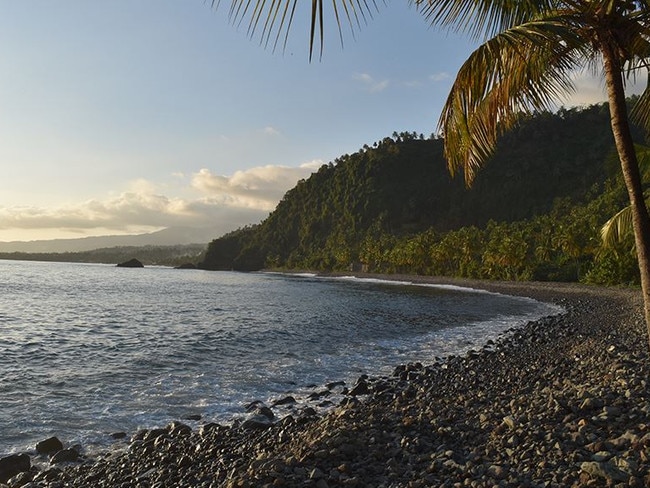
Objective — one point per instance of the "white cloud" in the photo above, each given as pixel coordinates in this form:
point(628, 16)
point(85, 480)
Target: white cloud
point(373, 86)
point(261, 187)
point(590, 89)
point(223, 202)
point(437, 77)
point(271, 131)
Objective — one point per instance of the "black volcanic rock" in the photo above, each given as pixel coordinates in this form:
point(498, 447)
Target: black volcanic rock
point(131, 263)
point(49, 446)
point(12, 465)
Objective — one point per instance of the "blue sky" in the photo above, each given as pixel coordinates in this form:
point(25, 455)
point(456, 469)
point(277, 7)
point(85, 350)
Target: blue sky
point(130, 116)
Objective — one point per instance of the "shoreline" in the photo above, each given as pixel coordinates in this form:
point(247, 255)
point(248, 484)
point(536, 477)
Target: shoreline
point(560, 402)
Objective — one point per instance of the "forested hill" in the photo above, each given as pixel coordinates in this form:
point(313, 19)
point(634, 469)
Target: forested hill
point(400, 187)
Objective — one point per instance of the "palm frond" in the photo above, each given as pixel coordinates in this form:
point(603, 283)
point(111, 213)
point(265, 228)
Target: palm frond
point(617, 227)
point(273, 19)
point(481, 18)
point(520, 71)
point(620, 225)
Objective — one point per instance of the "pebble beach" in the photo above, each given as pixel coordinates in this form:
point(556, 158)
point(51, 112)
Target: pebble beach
point(560, 402)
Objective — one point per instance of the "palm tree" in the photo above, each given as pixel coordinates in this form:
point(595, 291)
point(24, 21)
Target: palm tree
point(529, 53)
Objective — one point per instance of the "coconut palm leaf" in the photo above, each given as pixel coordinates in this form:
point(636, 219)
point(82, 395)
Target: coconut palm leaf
point(519, 71)
point(272, 19)
point(619, 226)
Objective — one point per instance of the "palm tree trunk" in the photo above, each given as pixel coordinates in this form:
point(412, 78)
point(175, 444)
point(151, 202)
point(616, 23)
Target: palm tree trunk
point(630, 169)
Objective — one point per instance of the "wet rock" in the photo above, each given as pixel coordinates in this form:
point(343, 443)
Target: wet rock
point(288, 400)
point(49, 446)
point(65, 456)
point(10, 466)
point(258, 422)
point(361, 388)
point(21, 479)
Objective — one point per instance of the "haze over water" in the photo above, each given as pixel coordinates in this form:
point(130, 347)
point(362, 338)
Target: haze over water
point(87, 350)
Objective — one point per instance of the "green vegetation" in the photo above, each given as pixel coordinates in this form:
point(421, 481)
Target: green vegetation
point(529, 54)
point(534, 212)
point(148, 255)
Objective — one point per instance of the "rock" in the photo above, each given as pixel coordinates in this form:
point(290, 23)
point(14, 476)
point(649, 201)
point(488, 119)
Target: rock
point(186, 266)
point(361, 388)
point(65, 456)
point(49, 446)
point(21, 479)
point(131, 263)
point(179, 429)
point(605, 471)
point(288, 400)
point(10, 466)
point(258, 422)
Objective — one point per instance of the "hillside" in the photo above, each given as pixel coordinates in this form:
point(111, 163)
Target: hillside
point(171, 236)
point(400, 187)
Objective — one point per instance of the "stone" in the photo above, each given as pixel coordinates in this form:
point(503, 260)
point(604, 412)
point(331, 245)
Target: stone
point(10, 466)
point(49, 446)
point(21, 479)
point(361, 388)
point(288, 400)
point(65, 456)
point(603, 470)
point(258, 422)
point(131, 263)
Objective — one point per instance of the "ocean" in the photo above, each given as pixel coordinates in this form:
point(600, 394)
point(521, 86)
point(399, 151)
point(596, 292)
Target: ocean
point(87, 350)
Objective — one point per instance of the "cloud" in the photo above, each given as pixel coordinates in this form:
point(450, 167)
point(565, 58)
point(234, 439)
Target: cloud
point(221, 202)
point(271, 131)
point(437, 77)
point(590, 89)
point(371, 84)
point(261, 187)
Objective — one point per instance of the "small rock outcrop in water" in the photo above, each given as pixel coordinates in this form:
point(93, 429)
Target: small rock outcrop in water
point(131, 263)
point(186, 266)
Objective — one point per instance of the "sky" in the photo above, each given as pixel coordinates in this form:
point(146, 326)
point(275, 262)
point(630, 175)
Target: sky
point(123, 117)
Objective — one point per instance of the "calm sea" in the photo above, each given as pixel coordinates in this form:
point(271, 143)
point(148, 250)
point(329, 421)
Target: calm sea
point(87, 350)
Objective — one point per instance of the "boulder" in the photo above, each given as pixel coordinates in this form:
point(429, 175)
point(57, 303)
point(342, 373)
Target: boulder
point(49, 446)
point(131, 263)
point(65, 456)
point(186, 266)
point(10, 466)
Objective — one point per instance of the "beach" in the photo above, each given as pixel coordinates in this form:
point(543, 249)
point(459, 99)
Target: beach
point(563, 401)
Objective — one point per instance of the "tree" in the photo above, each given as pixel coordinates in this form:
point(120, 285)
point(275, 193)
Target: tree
point(530, 51)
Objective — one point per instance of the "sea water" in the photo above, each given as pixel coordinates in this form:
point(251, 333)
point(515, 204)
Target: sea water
point(87, 350)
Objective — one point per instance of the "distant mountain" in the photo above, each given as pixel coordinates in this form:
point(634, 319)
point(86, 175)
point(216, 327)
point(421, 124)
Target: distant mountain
point(166, 237)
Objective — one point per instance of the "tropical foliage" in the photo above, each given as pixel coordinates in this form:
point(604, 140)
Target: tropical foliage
point(392, 207)
point(530, 52)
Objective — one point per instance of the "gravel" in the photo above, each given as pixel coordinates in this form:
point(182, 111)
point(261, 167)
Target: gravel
point(560, 402)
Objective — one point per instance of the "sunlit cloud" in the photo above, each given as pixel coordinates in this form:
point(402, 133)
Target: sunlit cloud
point(590, 89)
point(220, 202)
point(372, 85)
point(261, 187)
